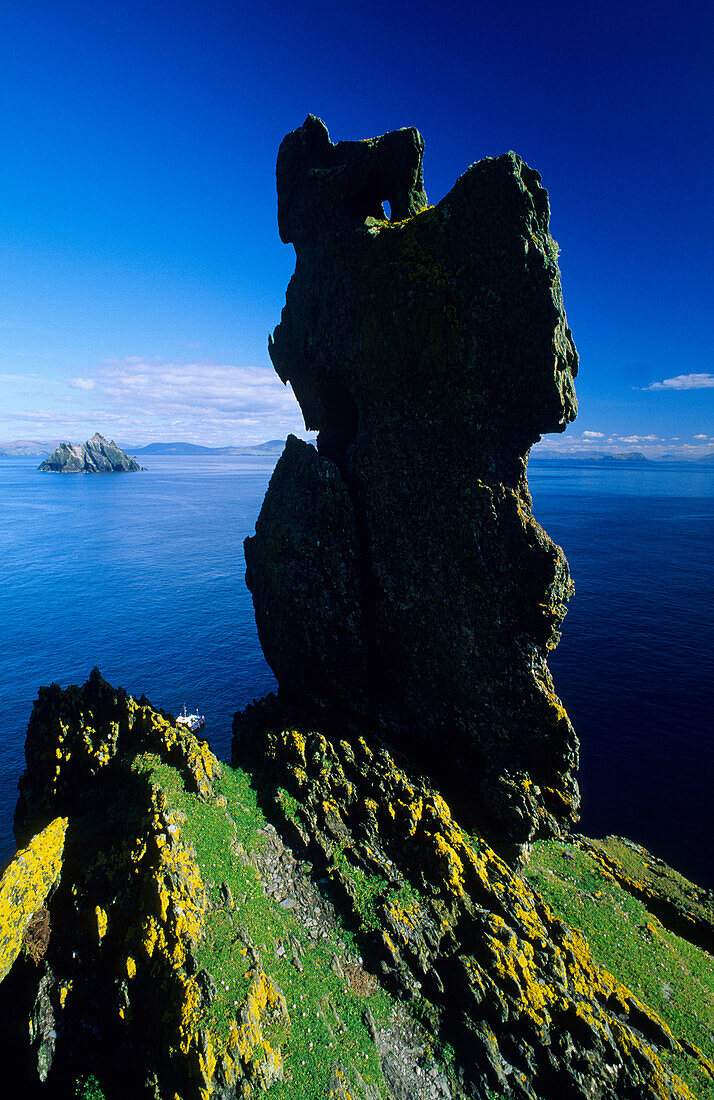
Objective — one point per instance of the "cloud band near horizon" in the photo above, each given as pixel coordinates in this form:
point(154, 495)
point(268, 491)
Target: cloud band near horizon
point(684, 382)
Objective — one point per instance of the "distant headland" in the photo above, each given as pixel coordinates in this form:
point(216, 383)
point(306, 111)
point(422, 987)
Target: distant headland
point(96, 456)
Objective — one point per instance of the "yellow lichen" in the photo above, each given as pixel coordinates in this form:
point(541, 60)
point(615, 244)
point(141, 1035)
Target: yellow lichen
point(25, 885)
point(102, 922)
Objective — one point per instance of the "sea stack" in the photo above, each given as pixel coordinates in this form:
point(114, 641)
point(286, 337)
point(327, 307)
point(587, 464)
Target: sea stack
point(401, 584)
point(96, 456)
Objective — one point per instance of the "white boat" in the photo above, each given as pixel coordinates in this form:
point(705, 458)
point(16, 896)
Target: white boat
point(193, 721)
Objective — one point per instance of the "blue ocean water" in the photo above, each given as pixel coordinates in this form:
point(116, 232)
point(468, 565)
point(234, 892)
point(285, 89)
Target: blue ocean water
point(142, 575)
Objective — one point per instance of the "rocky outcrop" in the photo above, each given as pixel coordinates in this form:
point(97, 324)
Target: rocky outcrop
point(680, 905)
point(96, 456)
point(514, 990)
point(400, 580)
point(186, 953)
point(406, 599)
point(359, 943)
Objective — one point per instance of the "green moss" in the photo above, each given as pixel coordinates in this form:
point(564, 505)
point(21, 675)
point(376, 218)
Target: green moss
point(667, 973)
point(327, 1016)
point(366, 890)
point(88, 1088)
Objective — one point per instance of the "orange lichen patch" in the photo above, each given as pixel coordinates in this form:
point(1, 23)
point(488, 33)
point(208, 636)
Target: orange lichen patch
point(295, 741)
point(450, 866)
point(700, 1057)
point(514, 963)
point(167, 939)
point(510, 953)
point(340, 1088)
point(178, 921)
point(25, 885)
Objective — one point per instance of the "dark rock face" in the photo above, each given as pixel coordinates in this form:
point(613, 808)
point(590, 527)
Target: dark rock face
point(96, 456)
point(406, 583)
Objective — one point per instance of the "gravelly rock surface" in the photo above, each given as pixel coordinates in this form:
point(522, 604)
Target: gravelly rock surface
point(452, 927)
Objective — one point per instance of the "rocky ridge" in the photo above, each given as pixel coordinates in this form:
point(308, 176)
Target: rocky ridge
point(526, 1007)
point(96, 456)
point(188, 952)
point(316, 924)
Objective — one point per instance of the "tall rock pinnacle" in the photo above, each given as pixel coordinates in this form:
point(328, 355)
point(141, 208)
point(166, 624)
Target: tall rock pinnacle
point(400, 581)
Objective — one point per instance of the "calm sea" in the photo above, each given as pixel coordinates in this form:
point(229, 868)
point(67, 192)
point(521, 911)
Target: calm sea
point(143, 576)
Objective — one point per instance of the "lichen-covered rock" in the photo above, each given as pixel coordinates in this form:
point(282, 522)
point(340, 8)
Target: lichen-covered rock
point(430, 351)
point(528, 1011)
point(96, 456)
point(121, 978)
point(74, 734)
point(190, 955)
point(25, 886)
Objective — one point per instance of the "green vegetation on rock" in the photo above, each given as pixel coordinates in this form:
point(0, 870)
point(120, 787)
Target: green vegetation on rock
point(191, 955)
point(665, 971)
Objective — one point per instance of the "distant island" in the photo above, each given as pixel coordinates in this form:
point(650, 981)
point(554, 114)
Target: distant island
point(96, 456)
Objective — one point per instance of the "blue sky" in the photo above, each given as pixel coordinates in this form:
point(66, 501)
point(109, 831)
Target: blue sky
point(141, 269)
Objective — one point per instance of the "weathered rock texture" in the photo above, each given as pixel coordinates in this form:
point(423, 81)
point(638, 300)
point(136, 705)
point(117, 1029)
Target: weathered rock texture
point(96, 456)
point(398, 575)
point(121, 982)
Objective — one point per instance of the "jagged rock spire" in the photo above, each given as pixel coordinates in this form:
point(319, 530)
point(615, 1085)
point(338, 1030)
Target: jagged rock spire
point(398, 575)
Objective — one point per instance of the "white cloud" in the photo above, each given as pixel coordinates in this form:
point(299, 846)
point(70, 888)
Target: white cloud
point(684, 382)
point(594, 435)
point(635, 439)
point(701, 437)
point(138, 400)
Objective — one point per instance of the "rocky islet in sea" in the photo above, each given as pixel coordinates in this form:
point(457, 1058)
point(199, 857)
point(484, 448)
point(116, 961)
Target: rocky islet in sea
point(381, 898)
point(96, 456)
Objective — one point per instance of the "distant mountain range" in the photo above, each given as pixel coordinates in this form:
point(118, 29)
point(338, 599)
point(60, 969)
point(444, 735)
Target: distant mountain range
point(273, 446)
point(634, 457)
point(30, 448)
